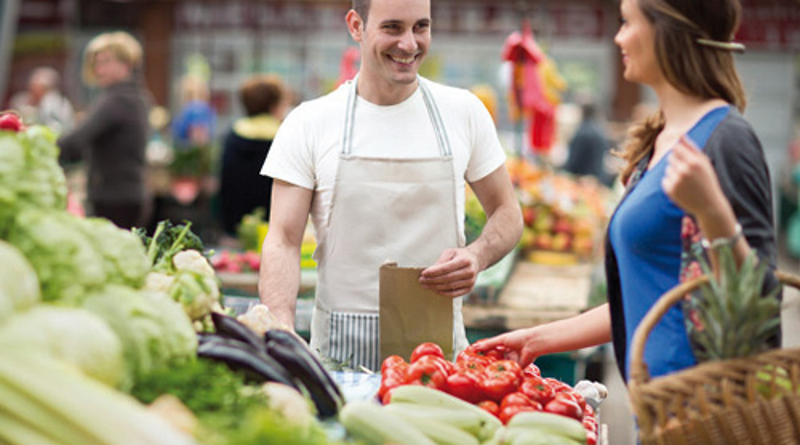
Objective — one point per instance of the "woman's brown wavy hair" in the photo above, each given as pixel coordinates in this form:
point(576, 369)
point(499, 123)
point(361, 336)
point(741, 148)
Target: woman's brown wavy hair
point(692, 68)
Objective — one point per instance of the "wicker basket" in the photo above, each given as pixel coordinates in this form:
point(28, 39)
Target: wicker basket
point(718, 402)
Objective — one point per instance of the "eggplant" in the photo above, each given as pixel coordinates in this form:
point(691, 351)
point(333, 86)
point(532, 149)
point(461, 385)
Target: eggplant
point(291, 339)
point(208, 337)
point(233, 328)
point(241, 356)
point(324, 395)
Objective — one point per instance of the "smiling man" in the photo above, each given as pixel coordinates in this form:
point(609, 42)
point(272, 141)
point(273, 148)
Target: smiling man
point(381, 165)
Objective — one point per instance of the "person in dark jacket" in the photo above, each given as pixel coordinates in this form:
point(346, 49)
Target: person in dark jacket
point(242, 188)
point(588, 146)
point(696, 175)
point(113, 136)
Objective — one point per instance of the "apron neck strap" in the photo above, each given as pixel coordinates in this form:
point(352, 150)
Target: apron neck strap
point(430, 105)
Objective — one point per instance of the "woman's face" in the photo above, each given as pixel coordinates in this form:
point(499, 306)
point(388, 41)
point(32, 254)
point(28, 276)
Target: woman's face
point(636, 40)
point(108, 69)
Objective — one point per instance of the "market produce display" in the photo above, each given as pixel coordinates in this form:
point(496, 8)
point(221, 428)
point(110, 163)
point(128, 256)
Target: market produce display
point(561, 213)
point(179, 269)
point(112, 336)
point(236, 262)
point(280, 356)
point(97, 332)
point(45, 401)
point(491, 391)
point(226, 407)
point(250, 237)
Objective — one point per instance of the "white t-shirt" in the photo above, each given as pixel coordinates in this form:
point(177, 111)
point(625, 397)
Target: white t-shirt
point(306, 149)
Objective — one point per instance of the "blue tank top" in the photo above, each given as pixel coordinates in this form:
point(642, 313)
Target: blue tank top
point(645, 232)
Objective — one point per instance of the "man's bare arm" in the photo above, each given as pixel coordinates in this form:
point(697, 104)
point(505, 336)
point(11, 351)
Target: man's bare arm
point(279, 277)
point(504, 218)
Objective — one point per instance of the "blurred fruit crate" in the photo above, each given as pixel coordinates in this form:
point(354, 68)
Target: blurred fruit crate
point(492, 281)
point(543, 287)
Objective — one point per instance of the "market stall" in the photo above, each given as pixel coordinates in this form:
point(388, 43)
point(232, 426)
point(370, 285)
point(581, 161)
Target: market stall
point(553, 274)
point(112, 336)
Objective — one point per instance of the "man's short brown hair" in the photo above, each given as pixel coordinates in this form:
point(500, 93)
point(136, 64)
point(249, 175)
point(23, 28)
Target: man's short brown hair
point(362, 8)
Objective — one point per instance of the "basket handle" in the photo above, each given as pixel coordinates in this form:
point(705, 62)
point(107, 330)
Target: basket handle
point(639, 371)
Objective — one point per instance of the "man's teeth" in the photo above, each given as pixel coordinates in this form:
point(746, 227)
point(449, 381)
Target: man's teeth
point(400, 60)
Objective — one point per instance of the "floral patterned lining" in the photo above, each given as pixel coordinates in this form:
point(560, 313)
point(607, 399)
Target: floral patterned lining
point(692, 253)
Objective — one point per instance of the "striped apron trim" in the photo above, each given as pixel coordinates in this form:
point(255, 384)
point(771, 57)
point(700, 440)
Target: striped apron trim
point(354, 339)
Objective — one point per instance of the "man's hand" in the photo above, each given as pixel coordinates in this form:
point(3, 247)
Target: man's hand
point(454, 273)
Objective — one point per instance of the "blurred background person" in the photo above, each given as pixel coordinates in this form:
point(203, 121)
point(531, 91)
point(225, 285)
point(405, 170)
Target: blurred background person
point(42, 103)
point(589, 145)
point(194, 124)
point(113, 136)
point(242, 189)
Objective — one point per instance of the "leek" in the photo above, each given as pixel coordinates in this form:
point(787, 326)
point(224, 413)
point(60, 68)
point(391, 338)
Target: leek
point(45, 399)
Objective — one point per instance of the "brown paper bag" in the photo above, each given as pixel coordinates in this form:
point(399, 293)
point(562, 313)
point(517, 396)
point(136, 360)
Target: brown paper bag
point(411, 314)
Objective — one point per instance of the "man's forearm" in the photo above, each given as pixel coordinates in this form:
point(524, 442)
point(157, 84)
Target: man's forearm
point(279, 282)
point(500, 234)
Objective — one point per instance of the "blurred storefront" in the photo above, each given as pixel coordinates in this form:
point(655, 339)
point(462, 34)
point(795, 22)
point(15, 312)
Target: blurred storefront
point(304, 41)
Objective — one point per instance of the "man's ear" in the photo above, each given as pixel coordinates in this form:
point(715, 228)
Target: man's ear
point(355, 25)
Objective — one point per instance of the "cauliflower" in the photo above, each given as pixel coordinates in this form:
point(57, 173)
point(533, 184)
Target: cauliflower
point(193, 260)
point(292, 405)
point(260, 319)
point(158, 282)
point(197, 293)
point(180, 269)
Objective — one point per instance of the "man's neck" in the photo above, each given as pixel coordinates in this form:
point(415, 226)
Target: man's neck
point(383, 93)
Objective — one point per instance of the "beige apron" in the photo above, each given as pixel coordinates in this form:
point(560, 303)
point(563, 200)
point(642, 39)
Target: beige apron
point(405, 212)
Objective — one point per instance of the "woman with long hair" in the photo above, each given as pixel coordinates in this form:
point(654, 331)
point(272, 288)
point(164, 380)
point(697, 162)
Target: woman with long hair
point(695, 174)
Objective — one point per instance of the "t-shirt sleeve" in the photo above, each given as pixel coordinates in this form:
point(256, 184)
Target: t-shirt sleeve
point(290, 158)
point(487, 152)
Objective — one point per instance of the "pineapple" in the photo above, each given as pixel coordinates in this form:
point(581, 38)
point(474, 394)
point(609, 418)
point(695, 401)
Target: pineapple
point(729, 317)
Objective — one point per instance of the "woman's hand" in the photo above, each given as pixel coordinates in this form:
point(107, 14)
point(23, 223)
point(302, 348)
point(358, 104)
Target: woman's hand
point(520, 345)
point(691, 183)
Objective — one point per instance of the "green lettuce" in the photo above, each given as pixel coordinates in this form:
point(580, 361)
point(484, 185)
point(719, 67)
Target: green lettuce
point(154, 330)
point(30, 176)
point(72, 335)
point(75, 256)
point(19, 285)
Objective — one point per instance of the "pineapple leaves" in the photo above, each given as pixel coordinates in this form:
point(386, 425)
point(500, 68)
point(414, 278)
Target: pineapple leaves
point(730, 318)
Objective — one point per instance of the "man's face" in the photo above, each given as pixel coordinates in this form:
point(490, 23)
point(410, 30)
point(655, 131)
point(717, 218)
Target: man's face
point(394, 40)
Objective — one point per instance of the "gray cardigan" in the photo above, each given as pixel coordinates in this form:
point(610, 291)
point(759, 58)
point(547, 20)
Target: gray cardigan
point(112, 140)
